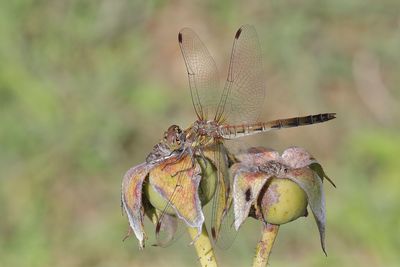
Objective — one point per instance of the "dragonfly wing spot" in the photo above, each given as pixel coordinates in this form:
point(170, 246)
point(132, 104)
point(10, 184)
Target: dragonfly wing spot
point(237, 35)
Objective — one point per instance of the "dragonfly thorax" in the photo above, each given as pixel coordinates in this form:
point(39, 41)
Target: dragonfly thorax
point(206, 128)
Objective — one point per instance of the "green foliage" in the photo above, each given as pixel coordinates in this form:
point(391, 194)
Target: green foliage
point(372, 166)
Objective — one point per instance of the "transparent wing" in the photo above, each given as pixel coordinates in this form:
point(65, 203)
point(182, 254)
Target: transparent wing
point(169, 229)
point(244, 90)
point(227, 233)
point(202, 73)
point(222, 219)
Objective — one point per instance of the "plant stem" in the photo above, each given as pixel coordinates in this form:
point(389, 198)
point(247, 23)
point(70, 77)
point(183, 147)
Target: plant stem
point(264, 246)
point(203, 246)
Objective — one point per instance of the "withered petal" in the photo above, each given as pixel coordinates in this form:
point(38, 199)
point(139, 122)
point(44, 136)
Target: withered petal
point(297, 157)
point(177, 181)
point(309, 181)
point(255, 156)
point(131, 198)
point(247, 184)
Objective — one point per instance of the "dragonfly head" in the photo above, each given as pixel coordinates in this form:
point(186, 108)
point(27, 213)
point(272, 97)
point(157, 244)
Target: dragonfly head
point(173, 141)
point(174, 138)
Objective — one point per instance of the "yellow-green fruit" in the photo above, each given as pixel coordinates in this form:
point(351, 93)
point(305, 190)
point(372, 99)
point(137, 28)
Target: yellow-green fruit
point(283, 201)
point(157, 200)
point(208, 183)
point(206, 189)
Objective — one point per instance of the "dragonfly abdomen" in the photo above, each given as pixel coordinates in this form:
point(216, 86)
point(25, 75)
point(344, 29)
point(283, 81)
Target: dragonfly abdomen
point(300, 121)
point(236, 131)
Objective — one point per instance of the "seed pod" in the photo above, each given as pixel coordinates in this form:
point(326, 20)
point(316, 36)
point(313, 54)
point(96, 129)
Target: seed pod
point(282, 201)
point(277, 189)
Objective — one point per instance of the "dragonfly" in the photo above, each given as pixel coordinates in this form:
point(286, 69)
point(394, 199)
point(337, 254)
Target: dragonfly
point(223, 113)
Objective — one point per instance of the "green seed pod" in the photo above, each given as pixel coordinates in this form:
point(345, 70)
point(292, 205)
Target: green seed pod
point(156, 200)
point(208, 183)
point(283, 201)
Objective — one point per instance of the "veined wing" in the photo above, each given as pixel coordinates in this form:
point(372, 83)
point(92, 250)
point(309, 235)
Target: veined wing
point(244, 90)
point(222, 220)
point(202, 73)
point(169, 228)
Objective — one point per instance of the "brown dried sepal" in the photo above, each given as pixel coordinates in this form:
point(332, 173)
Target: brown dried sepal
point(131, 199)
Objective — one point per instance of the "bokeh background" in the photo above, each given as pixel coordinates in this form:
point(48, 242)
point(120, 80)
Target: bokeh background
point(88, 87)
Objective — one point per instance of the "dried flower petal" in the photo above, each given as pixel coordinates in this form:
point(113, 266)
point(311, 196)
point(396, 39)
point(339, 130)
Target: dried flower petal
point(298, 157)
point(256, 156)
point(131, 199)
point(177, 181)
point(246, 187)
point(309, 181)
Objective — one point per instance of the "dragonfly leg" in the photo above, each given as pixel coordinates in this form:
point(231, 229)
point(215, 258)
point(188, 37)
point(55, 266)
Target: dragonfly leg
point(127, 234)
point(178, 158)
point(192, 158)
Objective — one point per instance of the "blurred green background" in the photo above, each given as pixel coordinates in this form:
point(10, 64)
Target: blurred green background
point(88, 87)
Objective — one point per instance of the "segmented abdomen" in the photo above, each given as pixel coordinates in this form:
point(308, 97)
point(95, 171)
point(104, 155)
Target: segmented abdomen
point(236, 131)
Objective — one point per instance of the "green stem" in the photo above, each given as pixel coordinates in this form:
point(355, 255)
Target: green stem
point(264, 246)
point(203, 246)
